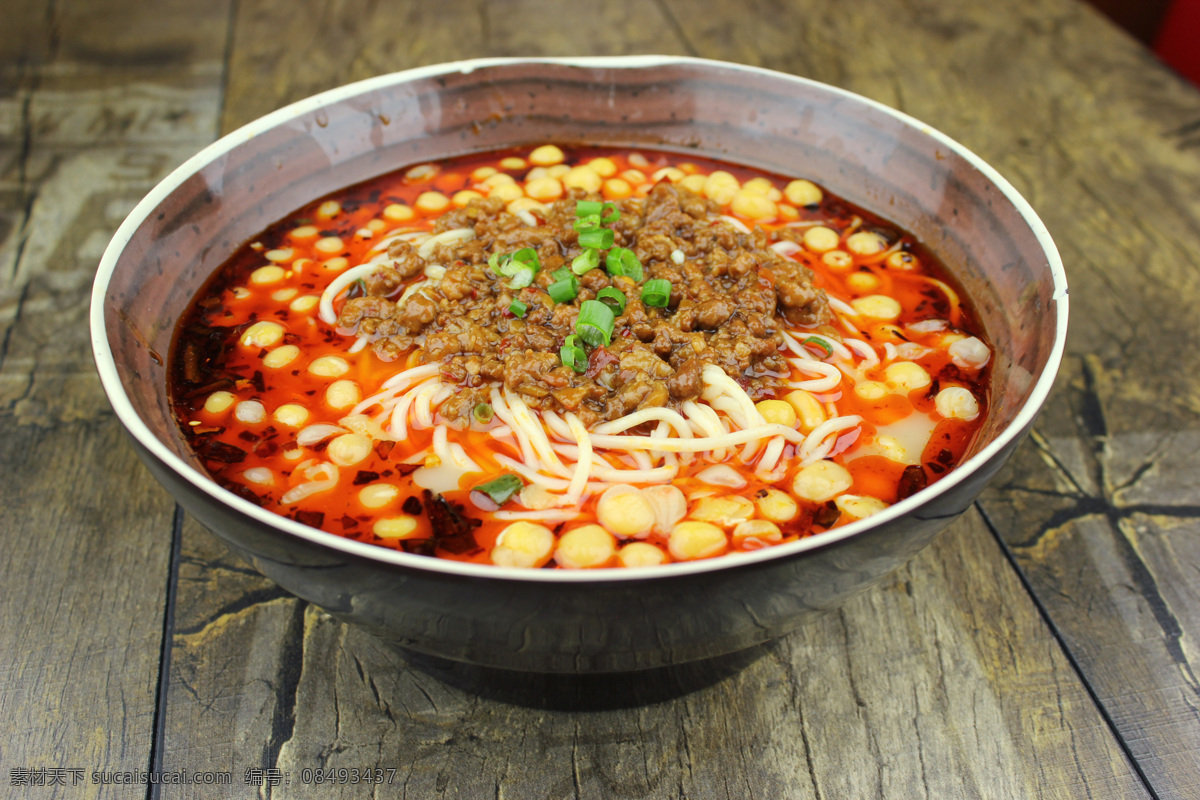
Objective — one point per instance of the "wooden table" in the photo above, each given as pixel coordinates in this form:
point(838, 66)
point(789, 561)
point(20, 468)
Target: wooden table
point(1046, 646)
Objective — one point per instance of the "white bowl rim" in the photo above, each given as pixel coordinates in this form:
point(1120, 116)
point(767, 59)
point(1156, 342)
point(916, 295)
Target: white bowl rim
point(110, 380)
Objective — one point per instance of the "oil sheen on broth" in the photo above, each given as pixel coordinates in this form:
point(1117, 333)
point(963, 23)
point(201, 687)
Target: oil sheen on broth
point(577, 357)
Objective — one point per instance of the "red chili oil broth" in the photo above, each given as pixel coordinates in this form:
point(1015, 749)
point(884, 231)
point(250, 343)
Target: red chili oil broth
point(206, 357)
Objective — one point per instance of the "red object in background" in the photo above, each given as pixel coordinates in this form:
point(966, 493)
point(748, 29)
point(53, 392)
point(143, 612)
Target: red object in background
point(1178, 42)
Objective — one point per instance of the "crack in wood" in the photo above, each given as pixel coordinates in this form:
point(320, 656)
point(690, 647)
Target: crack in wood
point(286, 687)
point(243, 603)
point(1053, 461)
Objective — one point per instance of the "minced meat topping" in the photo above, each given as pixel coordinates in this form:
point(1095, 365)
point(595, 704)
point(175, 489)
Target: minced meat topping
point(730, 294)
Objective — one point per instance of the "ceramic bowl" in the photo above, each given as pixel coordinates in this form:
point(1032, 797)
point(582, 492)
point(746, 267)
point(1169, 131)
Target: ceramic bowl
point(558, 620)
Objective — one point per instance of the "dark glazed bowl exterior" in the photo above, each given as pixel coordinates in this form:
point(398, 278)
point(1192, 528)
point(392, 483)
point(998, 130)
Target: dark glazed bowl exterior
point(558, 620)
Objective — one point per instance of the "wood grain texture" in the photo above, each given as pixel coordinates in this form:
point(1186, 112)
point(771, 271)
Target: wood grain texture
point(85, 130)
point(283, 52)
point(938, 684)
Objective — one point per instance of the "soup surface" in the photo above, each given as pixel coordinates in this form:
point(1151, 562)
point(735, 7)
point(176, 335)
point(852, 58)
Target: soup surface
point(579, 357)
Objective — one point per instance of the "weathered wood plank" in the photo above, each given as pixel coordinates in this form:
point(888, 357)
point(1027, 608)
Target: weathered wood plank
point(87, 126)
point(1105, 148)
point(285, 52)
point(942, 683)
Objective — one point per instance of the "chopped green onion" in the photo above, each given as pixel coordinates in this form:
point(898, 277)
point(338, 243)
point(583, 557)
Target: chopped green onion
point(572, 354)
point(656, 292)
point(621, 261)
point(590, 222)
point(599, 238)
point(588, 259)
point(483, 413)
point(612, 297)
point(588, 208)
point(527, 257)
point(497, 261)
point(595, 323)
point(501, 489)
point(565, 290)
point(560, 273)
point(609, 214)
point(518, 308)
point(821, 343)
point(521, 266)
point(522, 279)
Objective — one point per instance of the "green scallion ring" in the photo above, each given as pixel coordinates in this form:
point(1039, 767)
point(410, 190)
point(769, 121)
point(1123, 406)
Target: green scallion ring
point(483, 413)
point(527, 258)
point(609, 213)
point(621, 261)
point(598, 238)
point(565, 290)
point(656, 292)
point(574, 357)
point(518, 308)
point(612, 297)
point(595, 323)
point(522, 278)
point(588, 259)
point(817, 341)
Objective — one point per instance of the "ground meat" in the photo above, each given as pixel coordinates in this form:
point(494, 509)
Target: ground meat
point(384, 281)
point(405, 260)
point(728, 294)
point(360, 308)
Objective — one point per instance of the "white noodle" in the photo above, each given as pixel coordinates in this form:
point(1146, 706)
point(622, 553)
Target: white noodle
point(316, 433)
point(411, 376)
point(715, 376)
point(583, 466)
point(335, 287)
point(314, 485)
point(768, 466)
point(532, 475)
point(831, 376)
point(400, 411)
point(836, 348)
point(706, 422)
point(869, 356)
point(408, 235)
point(842, 307)
point(672, 418)
point(452, 453)
point(818, 444)
point(700, 444)
point(502, 411)
point(537, 435)
point(423, 405)
point(425, 250)
point(736, 223)
point(412, 289)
